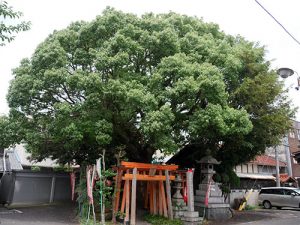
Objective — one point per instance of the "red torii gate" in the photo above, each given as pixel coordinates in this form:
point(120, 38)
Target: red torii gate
point(157, 195)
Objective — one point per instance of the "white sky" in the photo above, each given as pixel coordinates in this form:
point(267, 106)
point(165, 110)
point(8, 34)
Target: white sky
point(243, 17)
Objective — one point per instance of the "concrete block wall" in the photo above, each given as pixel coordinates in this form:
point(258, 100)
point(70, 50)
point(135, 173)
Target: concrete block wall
point(238, 194)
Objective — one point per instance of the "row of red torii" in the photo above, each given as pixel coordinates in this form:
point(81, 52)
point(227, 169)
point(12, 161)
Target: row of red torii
point(156, 189)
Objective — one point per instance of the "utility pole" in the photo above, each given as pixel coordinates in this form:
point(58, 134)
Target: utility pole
point(287, 155)
point(277, 167)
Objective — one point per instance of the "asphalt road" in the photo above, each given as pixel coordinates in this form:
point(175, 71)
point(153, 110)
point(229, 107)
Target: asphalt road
point(39, 215)
point(285, 216)
point(65, 215)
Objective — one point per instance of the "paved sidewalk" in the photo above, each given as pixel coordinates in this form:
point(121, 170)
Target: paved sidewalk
point(39, 215)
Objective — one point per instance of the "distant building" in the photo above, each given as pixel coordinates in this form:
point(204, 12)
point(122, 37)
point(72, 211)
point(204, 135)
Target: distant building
point(294, 142)
point(289, 151)
point(259, 172)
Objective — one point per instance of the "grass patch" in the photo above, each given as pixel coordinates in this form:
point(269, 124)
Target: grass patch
point(251, 207)
point(91, 222)
point(160, 220)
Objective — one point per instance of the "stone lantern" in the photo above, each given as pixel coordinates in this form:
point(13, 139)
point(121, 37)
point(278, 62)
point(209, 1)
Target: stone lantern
point(207, 168)
point(209, 200)
point(178, 204)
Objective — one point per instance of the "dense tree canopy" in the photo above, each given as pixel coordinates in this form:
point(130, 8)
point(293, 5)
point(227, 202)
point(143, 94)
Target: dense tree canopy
point(7, 27)
point(10, 132)
point(140, 84)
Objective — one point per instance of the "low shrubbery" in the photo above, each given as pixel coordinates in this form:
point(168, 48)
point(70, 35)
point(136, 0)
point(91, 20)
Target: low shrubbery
point(160, 220)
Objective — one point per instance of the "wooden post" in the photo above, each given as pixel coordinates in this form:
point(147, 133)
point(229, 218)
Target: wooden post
point(146, 196)
point(118, 180)
point(150, 198)
point(154, 198)
point(127, 182)
point(123, 198)
point(118, 191)
point(160, 203)
point(133, 198)
point(152, 172)
point(163, 196)
point(169, 199)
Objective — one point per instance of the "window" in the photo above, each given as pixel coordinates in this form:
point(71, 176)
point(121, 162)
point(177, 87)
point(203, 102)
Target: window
point(278, 192)
point(288, 192)
point(295, 161)
point(292, 134)
point(272, 191)
point(266, 169)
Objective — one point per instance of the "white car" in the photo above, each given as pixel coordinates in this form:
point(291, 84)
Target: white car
point(279, 197)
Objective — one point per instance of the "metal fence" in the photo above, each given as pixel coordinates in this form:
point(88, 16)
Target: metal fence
point(33, 187)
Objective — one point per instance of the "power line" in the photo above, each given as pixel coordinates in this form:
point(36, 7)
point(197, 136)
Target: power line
point(278, 22)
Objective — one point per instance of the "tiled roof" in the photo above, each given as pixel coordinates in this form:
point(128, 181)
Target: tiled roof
point(284, 177)
point(267, 161)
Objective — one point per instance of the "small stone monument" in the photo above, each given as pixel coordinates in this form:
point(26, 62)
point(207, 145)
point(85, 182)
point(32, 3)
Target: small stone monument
point(179, 206)
point(190, 217)
point(209, 201)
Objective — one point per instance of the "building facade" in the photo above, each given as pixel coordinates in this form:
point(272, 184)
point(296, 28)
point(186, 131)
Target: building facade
point(259, 172)
point(294, 142)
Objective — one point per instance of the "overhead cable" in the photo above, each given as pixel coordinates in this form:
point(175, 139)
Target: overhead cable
point(277, 22)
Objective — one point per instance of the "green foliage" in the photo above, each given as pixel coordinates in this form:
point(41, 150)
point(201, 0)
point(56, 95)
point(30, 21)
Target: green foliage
point(91, 222)
point(7, 28)
point(160, 220)
point(35, 168)
point(227, 178)
point(165, 81)
point(120, 214)
point(105, 189)
point(10, 131)
point(82, 198)
point(62, 168)
point(251, 207)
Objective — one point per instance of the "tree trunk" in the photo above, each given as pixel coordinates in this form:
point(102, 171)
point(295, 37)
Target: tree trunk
point(140, 154)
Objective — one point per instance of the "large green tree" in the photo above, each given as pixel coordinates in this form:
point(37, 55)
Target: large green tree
point(10, 132)
point(8, 27)
point(140, 84)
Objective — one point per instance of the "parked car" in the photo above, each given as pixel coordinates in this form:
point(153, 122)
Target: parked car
point(279, 197)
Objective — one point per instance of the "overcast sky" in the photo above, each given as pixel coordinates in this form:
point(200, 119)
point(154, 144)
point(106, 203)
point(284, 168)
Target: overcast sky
point(244, 17)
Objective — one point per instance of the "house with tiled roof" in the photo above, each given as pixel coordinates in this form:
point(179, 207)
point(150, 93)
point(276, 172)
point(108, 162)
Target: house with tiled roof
point(260, 172)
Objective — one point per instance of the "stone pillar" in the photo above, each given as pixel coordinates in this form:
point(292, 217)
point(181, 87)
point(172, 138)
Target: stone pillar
point(190, 190)
point(190, 217)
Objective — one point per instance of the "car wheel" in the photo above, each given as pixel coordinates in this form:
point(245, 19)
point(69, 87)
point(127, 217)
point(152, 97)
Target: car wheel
point(267, 205)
